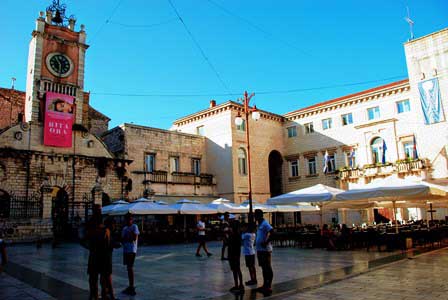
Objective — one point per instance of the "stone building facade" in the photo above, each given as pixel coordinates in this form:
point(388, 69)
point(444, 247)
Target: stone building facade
point(167, 164)
point(227, 149)
point(48, 189)
point(352, 130)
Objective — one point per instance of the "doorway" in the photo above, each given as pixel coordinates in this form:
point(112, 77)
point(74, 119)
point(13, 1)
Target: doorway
point(275, 173)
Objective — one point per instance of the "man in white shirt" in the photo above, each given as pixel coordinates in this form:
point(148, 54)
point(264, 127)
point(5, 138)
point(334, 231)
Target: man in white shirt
point(264, 251)
point(129, 236)
point(201, 238)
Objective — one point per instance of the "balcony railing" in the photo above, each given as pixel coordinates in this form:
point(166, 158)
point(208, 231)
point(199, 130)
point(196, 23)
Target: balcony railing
point(401, 167)
point(159, 176)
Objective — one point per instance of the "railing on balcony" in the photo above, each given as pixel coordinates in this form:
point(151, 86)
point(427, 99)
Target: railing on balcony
point(350, 173)
point(160, 176)
point(406, 166)
point(401, 166)
point(183, 178)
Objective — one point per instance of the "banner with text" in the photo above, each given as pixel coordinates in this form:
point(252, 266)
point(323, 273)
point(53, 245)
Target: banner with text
point(430, 100)
point(59, 110)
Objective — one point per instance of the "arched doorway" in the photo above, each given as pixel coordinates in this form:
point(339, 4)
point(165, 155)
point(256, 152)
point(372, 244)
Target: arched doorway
point(275, 173)
point(59, 213)
point(5, 204)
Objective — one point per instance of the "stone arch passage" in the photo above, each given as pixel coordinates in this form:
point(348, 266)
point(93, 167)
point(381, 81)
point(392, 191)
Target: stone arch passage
point(275, 173)
point(59, 212)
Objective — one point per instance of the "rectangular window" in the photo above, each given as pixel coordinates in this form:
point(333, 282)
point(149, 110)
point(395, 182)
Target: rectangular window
point(294, 168)
point(309, 128)
point(292, 131)
point(241, 127)
point(150, 162)
point(312, 166)
point(196, 166)
point(174, 164)
point(242, 166)
point(403, 106)
point(408, 149)
point(347, 119)
point(373, 113)
point(326, 123)
point(200, 130)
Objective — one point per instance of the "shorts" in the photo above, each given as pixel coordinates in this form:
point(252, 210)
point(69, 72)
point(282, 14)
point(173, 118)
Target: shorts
point(201, 239)
point(234, 263)
point(129, 259)
point(250, 260)
point(264, 258)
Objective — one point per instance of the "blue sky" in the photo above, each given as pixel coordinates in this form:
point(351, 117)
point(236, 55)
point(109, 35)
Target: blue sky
point(266, 47)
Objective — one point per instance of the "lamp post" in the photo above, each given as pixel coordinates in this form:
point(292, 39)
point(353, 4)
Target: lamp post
point(239, 121)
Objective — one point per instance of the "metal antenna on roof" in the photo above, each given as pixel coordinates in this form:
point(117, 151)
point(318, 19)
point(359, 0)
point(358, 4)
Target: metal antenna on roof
point(13, 80)
point(411, 24)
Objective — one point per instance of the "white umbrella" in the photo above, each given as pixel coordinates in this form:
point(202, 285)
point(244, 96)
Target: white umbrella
point(391, 189)
point(144, 207)
point(255, 205)
point(222, 205)
point(295, 208)
point(315, 193)
point(188, 207)
point(113, 206)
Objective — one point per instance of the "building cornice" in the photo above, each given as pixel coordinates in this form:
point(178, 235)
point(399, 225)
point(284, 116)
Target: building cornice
point(376, 123)
point(226, 106)
point(349, 100)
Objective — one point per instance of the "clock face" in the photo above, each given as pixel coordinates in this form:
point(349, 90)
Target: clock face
point(59, 64)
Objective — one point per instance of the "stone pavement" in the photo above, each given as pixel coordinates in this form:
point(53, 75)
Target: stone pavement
point(423, 277)
point(172, 272)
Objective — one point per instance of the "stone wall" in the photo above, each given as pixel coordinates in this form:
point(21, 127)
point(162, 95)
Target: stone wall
point(12, 103)
point(132, 142)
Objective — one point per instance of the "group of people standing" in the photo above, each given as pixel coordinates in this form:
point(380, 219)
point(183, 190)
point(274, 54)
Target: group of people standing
point(237, 235)
point(100, 239)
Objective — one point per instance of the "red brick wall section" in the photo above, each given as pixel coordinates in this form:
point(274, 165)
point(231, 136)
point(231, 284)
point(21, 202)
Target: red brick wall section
point(12, 103)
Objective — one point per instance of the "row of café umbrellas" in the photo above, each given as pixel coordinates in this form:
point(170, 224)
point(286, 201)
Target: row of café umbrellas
point(383, 192)
point(145, 206)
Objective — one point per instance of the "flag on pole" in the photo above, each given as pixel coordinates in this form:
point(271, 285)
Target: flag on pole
point(351, 158)
point(383, 158)
point(415, 148)
point(326, 161)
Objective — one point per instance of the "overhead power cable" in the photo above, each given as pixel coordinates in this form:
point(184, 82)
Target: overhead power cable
point(200, 49)
point(106, 21)
point(255, 26)
point(266, 92)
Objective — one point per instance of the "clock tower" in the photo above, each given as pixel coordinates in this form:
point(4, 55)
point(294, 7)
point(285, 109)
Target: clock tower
point(56, 63)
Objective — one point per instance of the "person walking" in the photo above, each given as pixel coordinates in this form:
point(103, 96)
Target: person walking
point(129, 240)
point(200, 227)
point(225, 235)
point(248, 238)
point(264, 252)
point(111, 243)
point(234, 256)
point(95, 240)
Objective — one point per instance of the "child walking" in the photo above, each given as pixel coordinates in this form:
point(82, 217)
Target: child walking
point(234, 256)
point(248, 238)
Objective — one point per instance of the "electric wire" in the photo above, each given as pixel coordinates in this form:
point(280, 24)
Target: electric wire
point(106, 21)
point(255, 26)
point(266, 92)
point(218, 76)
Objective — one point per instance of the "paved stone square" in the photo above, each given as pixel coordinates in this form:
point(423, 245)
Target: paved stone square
point(172, 271)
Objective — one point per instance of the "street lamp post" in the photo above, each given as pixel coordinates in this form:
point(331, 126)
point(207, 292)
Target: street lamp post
point(239, 121)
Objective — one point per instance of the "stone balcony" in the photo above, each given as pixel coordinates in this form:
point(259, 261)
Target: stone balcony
point(402, 167)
